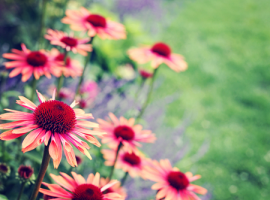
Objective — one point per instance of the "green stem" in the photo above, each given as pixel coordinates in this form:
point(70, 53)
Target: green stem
point(139, 88)
point(42, 172)
point(148, 95)
point(61, 79)
point(33, 85)
point(3, 150)
point(42, 22)
point(21, 190)
point(87, 59)
point(123, 180)
point(115, 159)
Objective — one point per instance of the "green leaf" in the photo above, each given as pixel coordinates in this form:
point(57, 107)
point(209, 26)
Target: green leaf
point(2, 197)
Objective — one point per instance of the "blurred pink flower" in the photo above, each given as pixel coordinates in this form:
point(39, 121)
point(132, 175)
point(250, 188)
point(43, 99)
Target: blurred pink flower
point(124, 131)
point(130, 162)
point(72, 67)
point(145, 74)
point(68, 42)
point(159, 53)
point(94, 24)
point(28, 62)
point(90, 90)
point(172, 183)
point(77, 188)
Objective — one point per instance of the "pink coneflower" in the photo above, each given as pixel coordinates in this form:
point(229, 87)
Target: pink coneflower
point(69, 43)
point(130, 162)
point(77, 188)
point(72, 68)
point(115, 188)
point(28, 62)
point(64, 93)
point(124, 131)
point(25, 172)
point(53, 123)
point(94, 24)
point(89, 89)
point(172, 183)
point(159, 53)
point(145, 74)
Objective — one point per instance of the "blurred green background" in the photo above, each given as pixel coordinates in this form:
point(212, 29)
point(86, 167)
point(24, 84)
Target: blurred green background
point(225, 91)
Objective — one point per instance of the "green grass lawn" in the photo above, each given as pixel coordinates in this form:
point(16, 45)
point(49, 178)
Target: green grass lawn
point(227, 91)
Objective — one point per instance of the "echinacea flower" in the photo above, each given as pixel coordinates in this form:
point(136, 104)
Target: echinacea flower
point(124, 131)
point(64, 93)
point(159, 53)
point(25, 172)
point(71, 68)
point(69, 43)
point(89, 89)
point(28, 62)
point(171, 183)
point(4, 170)
point(114, 189)
point(145, 74)
point(130, 162)
point(77, 188)
point(94, 24)
point(53, 123)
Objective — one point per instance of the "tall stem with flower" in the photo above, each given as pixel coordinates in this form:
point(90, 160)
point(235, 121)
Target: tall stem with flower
point(115, 159)
point(150, 91)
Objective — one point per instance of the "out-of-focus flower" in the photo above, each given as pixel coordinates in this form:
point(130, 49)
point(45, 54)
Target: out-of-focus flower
point(53, 123)
point(89, 89)
point(115, 188)
point(159, 53)
point(126, 72)
point(25, 172)
point(94, 24)
point(4, 170)
point(28, 62)
point(69, 43)
point(124, 131)
point(145, 74)
point(172, 183)
point(78, 159)
point(80, 189)
point(64, 93)
point(130, 162)
point(72, 68)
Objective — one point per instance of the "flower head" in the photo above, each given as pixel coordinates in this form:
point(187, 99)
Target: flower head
point(69, 43)
point(89, 89)
point(94, 24)
point(4, 170)
point(79, 188)
point(28, 62)
point(159, 53)
point(131, 162)
point(145, 74)
point(114, 189)
point(78, 159)
point(124, 131)
point(71, 68)
point(53, 123)
point(172, 183)
point(25, 172)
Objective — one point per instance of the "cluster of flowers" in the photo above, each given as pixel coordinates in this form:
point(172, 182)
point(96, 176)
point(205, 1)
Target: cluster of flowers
point(61, 126)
